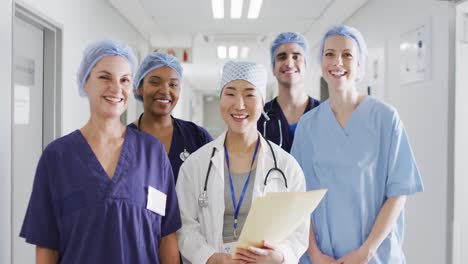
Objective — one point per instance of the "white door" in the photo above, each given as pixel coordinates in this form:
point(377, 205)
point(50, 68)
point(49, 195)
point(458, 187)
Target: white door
point(28, 46)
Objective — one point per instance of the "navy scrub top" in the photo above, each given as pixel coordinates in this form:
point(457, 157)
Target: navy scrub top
point(186, 136)
point(77, 210)
point(274, 111)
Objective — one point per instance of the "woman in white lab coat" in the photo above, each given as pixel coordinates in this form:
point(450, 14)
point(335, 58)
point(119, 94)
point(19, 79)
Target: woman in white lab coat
point(228, 173)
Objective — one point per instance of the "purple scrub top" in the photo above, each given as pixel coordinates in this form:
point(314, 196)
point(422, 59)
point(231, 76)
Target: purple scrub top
point(77, 210)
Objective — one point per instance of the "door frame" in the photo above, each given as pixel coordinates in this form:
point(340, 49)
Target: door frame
point(52, 94)
point(52, 88)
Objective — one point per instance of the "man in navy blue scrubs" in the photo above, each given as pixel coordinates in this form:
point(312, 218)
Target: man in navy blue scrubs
point(289, 59)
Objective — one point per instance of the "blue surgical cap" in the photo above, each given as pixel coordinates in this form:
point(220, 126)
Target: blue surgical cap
point(289, 37)
point(354, 34)
point(98, 50)
point(153, 61)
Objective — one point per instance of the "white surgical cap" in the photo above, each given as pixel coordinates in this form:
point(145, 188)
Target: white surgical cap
point(248, 71)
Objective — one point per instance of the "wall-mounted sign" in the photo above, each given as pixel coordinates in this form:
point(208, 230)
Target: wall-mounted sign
point(415, 54)
point(21, 104)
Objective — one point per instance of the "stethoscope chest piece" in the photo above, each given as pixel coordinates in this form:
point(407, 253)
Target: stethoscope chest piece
point(203, 199)
point(184, 155)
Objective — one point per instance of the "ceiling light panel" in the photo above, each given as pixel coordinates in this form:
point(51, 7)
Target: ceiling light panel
point(218, 8)
point(236, 9)
point(244, 52)
point(222, 52)
point(233, 52)
point(254, 9)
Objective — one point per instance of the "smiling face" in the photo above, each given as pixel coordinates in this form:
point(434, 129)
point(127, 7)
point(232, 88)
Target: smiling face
point(339, 61)
point(289, 64)
point(241, 105)
point(160, 90)
point(108, 87)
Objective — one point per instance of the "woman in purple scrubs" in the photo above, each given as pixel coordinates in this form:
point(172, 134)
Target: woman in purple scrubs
point(104, 193)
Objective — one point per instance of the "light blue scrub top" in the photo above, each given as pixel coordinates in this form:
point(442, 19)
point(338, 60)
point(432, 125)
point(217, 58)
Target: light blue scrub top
point(361, 165)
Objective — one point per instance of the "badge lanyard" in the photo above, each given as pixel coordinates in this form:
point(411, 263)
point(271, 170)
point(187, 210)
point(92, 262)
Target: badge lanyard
point(233, 194)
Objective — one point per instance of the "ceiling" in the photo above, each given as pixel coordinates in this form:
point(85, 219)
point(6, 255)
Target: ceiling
point(186, 17)
point(189, 23)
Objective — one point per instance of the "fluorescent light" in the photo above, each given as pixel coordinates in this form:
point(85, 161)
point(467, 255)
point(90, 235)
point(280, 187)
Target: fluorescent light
point(233, 50)
point(222, 52)
point(244, 52)
point(218, 8)
point(236, 9)
point(254, 9)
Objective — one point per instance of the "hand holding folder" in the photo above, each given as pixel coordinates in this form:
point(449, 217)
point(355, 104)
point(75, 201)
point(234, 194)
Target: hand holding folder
point(275, 216)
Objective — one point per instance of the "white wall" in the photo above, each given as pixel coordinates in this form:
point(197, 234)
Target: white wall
point(424, 109)
point(83, 22)
point(460, 232)
point(6, 18)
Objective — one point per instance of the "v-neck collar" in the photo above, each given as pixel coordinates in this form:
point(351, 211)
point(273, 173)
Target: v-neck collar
point(310, 104)
point(94, 164)
point(348, 128)
point(173, 144)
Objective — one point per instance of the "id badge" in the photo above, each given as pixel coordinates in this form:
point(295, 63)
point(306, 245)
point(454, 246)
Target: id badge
point(229, 247)
point(156, 201)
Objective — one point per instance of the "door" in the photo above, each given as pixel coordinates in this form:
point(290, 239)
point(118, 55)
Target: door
point(27, 136)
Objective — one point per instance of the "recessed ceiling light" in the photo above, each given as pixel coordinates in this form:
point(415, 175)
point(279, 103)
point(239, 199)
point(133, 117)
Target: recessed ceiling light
point(236, 9)
point(222, 52)
point(244, 52)
point(218, 8)
point(233, 50)
point(254, 9)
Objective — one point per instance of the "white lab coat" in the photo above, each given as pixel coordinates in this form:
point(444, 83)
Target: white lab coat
point(201, 234)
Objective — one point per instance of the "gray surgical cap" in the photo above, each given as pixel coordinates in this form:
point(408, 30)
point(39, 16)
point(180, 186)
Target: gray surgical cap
point(289, 37)
point(248, 71)
point(98, 50)
point(153, 61)
point(355, 35)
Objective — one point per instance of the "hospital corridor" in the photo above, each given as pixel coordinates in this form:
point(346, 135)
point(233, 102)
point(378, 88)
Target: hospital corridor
point(416, 66)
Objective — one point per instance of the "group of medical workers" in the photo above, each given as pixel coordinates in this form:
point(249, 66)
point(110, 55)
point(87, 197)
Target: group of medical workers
point(161, 190)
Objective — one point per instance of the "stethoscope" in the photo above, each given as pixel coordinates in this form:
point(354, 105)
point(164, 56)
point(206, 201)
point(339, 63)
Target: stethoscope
point(184, 154)
point(203, 197)
point(268, 116)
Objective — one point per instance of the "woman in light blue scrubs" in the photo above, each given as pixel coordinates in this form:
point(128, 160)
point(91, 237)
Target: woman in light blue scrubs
point(355, 146)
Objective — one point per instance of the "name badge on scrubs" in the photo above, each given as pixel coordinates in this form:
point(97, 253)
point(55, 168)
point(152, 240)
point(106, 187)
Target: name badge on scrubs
point(229, 247)
point(156, 201)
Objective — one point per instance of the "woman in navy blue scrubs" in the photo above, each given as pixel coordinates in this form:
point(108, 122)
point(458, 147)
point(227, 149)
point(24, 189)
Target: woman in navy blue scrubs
point(157, 85)
point(104, 193)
